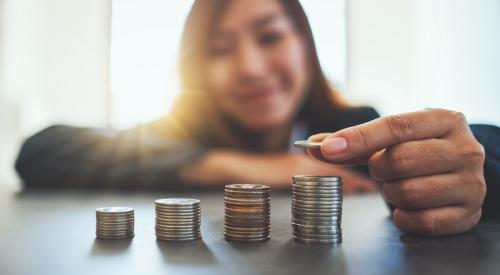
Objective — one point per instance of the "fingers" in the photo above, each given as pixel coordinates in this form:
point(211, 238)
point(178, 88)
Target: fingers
point(431, 192)
point(353, 143)
point(316, 153)
point(436, 221)
point(413, 158)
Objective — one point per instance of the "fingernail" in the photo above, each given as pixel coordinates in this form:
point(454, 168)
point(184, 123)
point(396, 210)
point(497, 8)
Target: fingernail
point(334, 146)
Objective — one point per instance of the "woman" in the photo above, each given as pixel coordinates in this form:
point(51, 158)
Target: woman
point(252, 83)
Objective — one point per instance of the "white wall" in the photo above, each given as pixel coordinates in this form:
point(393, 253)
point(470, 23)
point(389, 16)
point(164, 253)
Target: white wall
point(406, 55)
point(145, 44)
point(54, 57)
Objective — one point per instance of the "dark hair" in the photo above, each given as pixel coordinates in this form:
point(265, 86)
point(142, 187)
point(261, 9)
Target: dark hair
point(322, 99)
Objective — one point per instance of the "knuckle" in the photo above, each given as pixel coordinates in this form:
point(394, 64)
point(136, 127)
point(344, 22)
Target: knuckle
point(399, 161)
point(476, 217)
point(400, 126)
point(428, 223)
point(480, 190)
point(474, 152)
point(458, 118)
point(409, 195)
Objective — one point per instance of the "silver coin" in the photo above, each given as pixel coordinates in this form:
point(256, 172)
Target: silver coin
point(316, 201)
point(317, 195)
point(332, 201)
point(247, 187)
point(316, 178)
point(317, 235)
point(238, 239)
point(181, 221)
point(177, 201)
point(174, 239)
point(177, 213)
point(114, 237)
point(247, 193)
point(316, 219)
point(114, 226)
point(117, 210)
point(178, 234)
point(316, 231)
point(177, 228)
point(177, 209)
point(315, 213)
point(316, 241)
point(305, 225)
point(307, 144)
point(243, 231)
point(113, 234)
point(314, 186)
point(317, 207)
point(246, 235)
point(300, 226)
point(114, 221)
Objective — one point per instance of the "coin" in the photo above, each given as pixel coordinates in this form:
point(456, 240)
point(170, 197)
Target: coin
point(247, 209)
point(317, 209)
point(307, 144)
point(299, 178)
point(114, 222)
point(177, 219)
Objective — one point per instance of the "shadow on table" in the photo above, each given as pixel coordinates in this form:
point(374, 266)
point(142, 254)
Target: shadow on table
point(469, 253)
point(186, 253)
point(102, 247)
point(306, 257)
point(297, 258)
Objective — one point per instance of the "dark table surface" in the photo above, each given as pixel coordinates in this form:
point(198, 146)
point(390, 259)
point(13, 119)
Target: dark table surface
point(52, 232)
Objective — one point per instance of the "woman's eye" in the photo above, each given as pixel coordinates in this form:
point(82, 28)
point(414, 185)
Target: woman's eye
point(269, 38)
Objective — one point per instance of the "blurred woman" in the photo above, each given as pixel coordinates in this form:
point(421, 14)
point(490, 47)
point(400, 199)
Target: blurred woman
point(251, 82)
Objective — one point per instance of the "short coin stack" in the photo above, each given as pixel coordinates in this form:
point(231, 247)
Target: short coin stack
point(114, 222)
point(317, 209)
point(177, 219)
point(247, 209)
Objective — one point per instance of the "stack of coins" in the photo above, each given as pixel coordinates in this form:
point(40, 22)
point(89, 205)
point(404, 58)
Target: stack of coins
point(317, 209)
point(247, 209)
point(114, 222)
point(177, 219)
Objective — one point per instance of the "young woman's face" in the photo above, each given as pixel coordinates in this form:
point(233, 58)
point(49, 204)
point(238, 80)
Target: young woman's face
point(257, 69)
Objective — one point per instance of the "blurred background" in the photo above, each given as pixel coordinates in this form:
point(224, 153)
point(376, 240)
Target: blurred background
point(113, 62)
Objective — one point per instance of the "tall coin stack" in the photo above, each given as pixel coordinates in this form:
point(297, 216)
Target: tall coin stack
point(247, 209)
point(114, 222)
point(177, 219)
point(317, 209)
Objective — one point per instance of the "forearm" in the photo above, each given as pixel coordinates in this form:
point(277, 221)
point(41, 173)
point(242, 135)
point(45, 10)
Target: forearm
point(70, 157)
point(276, 170)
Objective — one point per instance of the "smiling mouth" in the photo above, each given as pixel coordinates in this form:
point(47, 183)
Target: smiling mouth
point(258, 96)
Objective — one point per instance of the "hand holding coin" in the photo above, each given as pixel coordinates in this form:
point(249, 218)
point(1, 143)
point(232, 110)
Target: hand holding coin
point(429, 161)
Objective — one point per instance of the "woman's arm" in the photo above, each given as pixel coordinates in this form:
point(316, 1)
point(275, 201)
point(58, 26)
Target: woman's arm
point(489, 137)
point(276, 170)
point(71, 157)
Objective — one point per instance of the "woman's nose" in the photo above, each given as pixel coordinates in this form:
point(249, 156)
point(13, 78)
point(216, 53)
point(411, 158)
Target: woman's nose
point(251, 64)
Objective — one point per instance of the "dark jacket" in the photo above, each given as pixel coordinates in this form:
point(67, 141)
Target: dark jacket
point(146, 158)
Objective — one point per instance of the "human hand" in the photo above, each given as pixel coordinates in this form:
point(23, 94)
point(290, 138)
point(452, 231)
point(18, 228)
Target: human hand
point(429, 161)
